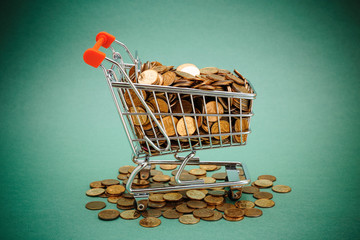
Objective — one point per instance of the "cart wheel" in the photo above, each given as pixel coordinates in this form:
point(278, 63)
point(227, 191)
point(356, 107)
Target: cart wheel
point(235, 194)
point(141, 205)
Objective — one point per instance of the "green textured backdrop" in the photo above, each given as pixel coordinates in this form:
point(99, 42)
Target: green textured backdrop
point(60, 129)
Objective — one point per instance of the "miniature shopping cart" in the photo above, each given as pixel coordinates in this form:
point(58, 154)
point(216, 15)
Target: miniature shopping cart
point(154, 140)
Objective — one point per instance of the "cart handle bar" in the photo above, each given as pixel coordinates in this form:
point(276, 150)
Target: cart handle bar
point(93, 56)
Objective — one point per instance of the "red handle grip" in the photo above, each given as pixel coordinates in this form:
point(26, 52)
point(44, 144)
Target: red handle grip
point(93, 56)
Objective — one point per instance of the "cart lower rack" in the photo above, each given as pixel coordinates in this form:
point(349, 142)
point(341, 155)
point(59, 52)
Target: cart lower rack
point(160, 120)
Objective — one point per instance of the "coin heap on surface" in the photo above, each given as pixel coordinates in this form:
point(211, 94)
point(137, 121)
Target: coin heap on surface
point(190, 119)
point(188, 206)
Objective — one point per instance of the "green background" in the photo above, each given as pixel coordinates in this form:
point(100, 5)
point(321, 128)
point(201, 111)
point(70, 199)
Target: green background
point(60, 129)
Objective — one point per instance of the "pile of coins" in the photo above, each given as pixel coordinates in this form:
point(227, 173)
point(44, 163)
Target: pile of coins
point(189, 207)
point(178, 124)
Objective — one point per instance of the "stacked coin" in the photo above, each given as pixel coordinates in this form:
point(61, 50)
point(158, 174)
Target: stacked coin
point(189, 115)
point(189, 207)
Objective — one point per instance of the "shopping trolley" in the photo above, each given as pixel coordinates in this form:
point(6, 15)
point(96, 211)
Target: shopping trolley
point(153, 140)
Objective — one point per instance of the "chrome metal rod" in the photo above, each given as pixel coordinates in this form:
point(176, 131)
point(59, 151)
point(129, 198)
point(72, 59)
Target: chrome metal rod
point(181, 169)
point(191, 186)
point(171, 89)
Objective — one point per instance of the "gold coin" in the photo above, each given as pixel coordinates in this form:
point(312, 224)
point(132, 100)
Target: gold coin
point(264, 183)
point(268, 177)
point(224, 128)
point(150, 222)
point(126, 202)
point(149, 77)
point(160, 68)
point(184, 75)
point(188, 129)
point(281, 189)
point(264, 195)
point(265, 203)
point(234, 212)
point(189, 219)
point(109, 182)
point(130, 214)
point(139, 119)
point(234, 78)
point(253, 185)
point(157, 197)
point(215, 77)
point(168, 206)
point(122, 176)
point(223, 71)
point(169, 124)
point(95, 205)
point(243, 128)
point(125, 208)
point(224, 206)
point(161, 178)
point(160, 105)
point(209, 70)
point(169, 78)
point(168, 166)
point(233, 219)
point(182, 106)
point(103, 195)
point(204, 191)
point(253, 212)
point(208, 180)
point(132, 96)
point(197, 172)
point(208, 167)
point(183, 208)
point(113, 199)
point(249, 189)
point(130, 169)
point(220, 176)
point(171, 214)
point(140, 182)
point(109, 214)
point(154, 64)
point(156, 185)
point(244, 204)
point(195, 194)
point(237, 73)
point(213, 200)
point(127, 195)
point(95, 192)
point(156, 204)
point(203, 212)
point(96, 184)
point(217, 216)
point(115, 189)
point(189, 68)
point(213, 108)
point(217, 193)
point(151, 213)
point(196, 204)
point(173, 196)
point(239, 88)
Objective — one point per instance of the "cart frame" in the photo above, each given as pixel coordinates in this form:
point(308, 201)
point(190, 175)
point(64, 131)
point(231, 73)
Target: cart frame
point(120, 83)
